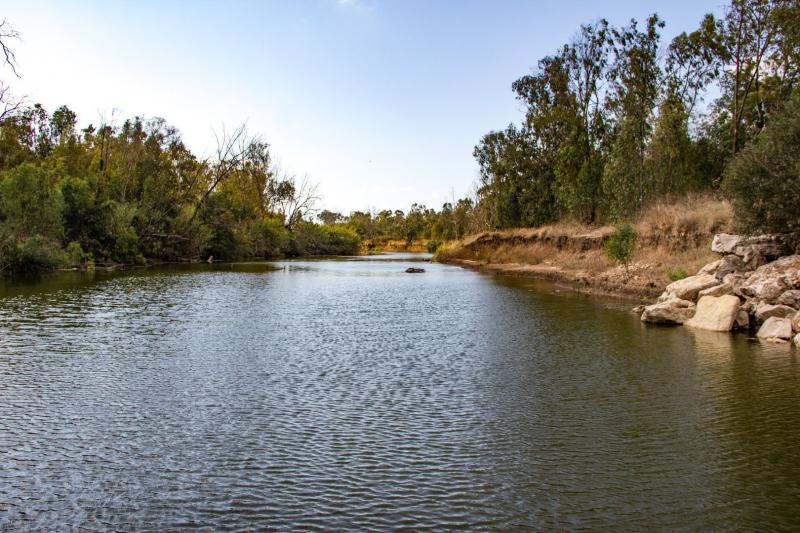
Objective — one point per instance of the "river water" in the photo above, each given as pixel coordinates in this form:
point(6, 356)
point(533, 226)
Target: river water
point(348, 395)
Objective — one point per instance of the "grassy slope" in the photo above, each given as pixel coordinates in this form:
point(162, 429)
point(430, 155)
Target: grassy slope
point(671, 236)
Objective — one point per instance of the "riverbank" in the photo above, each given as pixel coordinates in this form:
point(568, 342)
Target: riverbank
point(673, 241)
point(417, 246)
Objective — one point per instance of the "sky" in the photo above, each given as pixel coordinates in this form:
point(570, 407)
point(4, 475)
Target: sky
point(379, 102)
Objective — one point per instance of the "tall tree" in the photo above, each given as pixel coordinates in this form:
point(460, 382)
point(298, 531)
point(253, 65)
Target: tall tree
point(634, 78)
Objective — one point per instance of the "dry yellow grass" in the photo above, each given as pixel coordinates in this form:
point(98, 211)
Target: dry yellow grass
point(671, 236)
point(693, 214)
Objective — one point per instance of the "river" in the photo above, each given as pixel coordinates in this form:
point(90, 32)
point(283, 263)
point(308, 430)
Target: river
point(348, 395)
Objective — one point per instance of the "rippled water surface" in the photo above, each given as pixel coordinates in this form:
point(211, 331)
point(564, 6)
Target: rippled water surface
point(347, 395)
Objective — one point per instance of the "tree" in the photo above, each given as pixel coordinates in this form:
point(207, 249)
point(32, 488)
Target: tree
point(751, 34)
point(763, 180)
point(330, 217)
point(620, 244)
point(635, 77)
point(579, 163)
point(8, 104)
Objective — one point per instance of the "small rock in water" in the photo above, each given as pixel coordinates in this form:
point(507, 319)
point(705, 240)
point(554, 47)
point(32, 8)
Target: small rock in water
point(414, 270)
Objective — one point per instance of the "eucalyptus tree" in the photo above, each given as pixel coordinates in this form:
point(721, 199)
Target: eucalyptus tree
point(634, 79)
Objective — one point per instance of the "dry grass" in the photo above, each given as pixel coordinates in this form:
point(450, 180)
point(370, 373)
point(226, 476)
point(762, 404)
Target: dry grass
point(661, 260)
point(689, 215)
point(672, 235)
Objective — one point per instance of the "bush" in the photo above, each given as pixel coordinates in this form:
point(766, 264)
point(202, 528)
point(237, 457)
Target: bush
point(340, 240)
point(76, 257)
point(433, 246)
point(677, 274)
point(763, 180)
point(330, 239)
point(619, 245)
point(126, 240)
point(269, 238)
point(33, 254)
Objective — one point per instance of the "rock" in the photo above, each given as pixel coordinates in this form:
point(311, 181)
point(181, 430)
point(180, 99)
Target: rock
point(730, 264)
point(673, 311)
point(664, 297)
point(770, 281)
point(688, 288)
point(790, 298)
point(776, 329)
point(765, 311)
point(715, 313)
point(736, 280)
point(797, 340)
point(765, 247)
point(710, 268)
point(719, 290)
point(796, 322)
point(742, 320)
point(414, 270)
point(639, 309)
point(725, 243)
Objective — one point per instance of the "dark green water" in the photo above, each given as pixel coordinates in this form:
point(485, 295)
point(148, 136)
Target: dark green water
point(347, 395)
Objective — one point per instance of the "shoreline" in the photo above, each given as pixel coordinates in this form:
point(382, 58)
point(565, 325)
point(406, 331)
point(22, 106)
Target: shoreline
point(574, 280)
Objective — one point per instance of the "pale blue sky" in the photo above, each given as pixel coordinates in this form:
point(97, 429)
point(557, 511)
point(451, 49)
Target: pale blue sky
point(379, 102)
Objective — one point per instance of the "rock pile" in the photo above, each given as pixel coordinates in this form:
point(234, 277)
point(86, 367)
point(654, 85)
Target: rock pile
point(754, 285)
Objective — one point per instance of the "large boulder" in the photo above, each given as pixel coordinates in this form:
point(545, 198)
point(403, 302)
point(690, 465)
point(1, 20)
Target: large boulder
point(770, 281)
point(797, 340)
point(672, 311)
point(725, 243)
point(765, 311)
point(790, 298)
point(761, 248)
point(710, 268)
point(736, 280)
point(731, 264)
point(796, 322)
point(776, 329)
point(716, 291)
point(715, 313)
point(688, 288)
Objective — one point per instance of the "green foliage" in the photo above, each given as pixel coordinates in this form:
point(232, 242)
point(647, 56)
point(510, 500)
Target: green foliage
point(76, 257)
point(30, 202)
point(620, 244)
point(676, 274)
point(434, 245)
point(334, 239)
point(763, 180)
point(32, 254)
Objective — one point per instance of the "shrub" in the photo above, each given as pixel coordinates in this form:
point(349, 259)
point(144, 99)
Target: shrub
point(676, 274)
point(619, 245)
point(33, 254)
point(433, 246)
point(340, 240)
point(76, 257)
point(763, 180)
point(126, 240)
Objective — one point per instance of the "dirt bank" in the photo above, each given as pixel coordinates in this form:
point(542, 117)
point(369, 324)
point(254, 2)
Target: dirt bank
point(673, 240)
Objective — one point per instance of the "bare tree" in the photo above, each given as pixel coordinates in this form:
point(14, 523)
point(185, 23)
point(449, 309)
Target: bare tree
point(9, 105)
point(292, 200)
point(8, 33)
point(232, 149)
